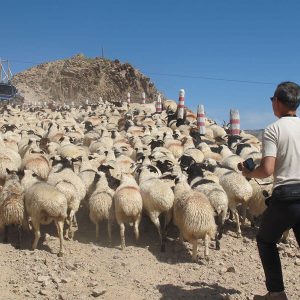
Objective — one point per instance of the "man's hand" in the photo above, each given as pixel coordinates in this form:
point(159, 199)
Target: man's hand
point(265, 169)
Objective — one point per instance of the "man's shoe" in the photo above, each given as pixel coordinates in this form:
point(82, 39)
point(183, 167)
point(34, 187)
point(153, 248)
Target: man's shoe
point(272, 296)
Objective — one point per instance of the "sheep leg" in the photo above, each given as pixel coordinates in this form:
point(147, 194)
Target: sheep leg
point(164, 232)
point(195, 248)
point(122, 234)
point(19, 237)
point(109, 230)
point(5, 239)
point(97, 231)
point(219, 232)
point(37, 233)
point(237, 220)
point(69, 232)
point(74, 221)
point(156, 222)
point(136, 227)
point(206, 242)
point(60, 228)
point(244, 214)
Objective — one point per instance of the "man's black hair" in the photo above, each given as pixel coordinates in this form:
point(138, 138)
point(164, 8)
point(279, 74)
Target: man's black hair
point(288, 93)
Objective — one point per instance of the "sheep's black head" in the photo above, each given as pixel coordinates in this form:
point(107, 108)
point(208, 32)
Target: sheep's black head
point(195, 170)
point(186, 161)
point(105, 168)
point(165, 166)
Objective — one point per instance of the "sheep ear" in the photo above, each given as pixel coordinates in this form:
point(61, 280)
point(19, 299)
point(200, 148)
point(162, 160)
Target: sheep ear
point(8, 171)
point(61, 139)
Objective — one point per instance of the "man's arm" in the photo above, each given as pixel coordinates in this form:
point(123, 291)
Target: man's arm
point(265, 169)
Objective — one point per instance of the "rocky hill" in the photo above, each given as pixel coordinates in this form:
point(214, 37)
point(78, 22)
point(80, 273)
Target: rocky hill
point(80, 78)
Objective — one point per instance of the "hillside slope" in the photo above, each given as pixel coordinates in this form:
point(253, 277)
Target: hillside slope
point(80, 78)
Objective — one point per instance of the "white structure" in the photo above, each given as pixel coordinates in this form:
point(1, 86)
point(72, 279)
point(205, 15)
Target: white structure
point(143, 97)
point(181, 104)
point(235, 122)
point(158, 104)
point(201, 119)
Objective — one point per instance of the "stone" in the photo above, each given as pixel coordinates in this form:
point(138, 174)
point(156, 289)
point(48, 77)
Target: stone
point(297, 262)
point(92, 284)
point(231, 270)
point(66, 279)
point(45, 292)
point(43, 279)
point(98, 292)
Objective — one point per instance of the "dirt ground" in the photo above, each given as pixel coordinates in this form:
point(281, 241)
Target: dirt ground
point(92, 270)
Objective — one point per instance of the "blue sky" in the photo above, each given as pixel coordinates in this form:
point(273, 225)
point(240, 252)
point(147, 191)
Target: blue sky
point(190, 41)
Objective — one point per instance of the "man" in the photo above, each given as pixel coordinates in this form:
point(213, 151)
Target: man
point(281, 157)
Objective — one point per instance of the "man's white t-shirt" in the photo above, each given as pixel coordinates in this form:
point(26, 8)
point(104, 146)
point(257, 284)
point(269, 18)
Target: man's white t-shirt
point(282, 140)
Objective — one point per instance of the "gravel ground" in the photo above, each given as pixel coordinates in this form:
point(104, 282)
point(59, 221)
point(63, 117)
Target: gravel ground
point(91, 270)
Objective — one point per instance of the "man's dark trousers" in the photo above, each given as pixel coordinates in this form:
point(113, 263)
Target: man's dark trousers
point(277, 218)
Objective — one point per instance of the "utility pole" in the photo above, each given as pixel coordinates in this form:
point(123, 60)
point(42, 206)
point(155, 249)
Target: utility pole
point(5, 73)
point(102, 52)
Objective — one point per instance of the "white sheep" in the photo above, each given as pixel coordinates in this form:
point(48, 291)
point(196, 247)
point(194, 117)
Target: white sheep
point(66, 181)
point(128, 206)
point(12, 210)
point(236, 186)
point(193, 215)
point(209, 185)
point(44, 204)
point(101, 204)
point(158, 199)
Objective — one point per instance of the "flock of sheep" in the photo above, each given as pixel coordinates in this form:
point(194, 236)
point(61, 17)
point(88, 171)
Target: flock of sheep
point(123, 161)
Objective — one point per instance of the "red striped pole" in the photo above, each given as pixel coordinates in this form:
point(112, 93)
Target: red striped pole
point(128, 97)
point(158, 104)
point(181, 104)
point(234, 122)
point(201, 120)
point(143, 97)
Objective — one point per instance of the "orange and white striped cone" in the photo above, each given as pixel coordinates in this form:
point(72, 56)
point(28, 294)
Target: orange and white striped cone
point(128, 97)
point(143, 97)
point(158, 104)
point(180, 113)
point(234, 122)
point(201, 120)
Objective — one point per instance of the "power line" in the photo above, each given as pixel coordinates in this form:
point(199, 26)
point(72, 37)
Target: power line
point(211, 78)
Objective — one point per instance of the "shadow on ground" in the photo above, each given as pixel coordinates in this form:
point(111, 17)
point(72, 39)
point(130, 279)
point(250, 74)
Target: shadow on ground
point(200, 290)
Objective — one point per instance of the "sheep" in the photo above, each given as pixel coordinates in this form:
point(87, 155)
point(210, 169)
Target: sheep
point(128, 206)
point(158, 199)
point(44, 204)
point(67, 182)
point(209, 185)
point(256, 205)
point(230, 160)
point(101, 204)
point(193, 215)
point(208, 153)
point(12, 210)
point(236, 186)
